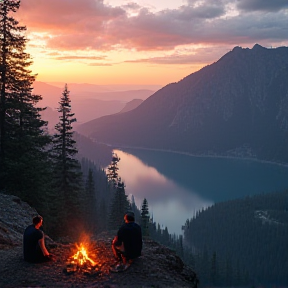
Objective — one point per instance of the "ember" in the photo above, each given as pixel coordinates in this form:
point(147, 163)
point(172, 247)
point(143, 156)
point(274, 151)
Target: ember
point(81, 262)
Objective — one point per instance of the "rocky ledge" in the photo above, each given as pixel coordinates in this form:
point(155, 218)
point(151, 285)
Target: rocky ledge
point(157, 267)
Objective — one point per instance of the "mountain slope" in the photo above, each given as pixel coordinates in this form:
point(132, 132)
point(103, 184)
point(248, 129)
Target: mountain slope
point(131, 105)
point(252, 231)
point(237, 106)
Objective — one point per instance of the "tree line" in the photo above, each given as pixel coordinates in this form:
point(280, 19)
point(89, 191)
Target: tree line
point(240, 242)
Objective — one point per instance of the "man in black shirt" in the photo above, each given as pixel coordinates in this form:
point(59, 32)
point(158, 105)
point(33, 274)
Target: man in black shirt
point(34, 249)
point(127, 245)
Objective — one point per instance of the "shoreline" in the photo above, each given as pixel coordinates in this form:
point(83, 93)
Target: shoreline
point(197, 155)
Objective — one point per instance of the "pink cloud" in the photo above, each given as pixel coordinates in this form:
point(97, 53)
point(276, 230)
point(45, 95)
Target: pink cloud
point(67, 15)
point(91, 24)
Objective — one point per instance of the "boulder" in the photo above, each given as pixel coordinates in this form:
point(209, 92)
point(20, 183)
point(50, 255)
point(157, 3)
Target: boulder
point(15, 216)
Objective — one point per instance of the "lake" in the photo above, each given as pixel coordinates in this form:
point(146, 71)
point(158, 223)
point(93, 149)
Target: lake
point(177, 185)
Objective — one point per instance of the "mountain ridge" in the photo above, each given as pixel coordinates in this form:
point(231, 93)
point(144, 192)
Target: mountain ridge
point(238, 102)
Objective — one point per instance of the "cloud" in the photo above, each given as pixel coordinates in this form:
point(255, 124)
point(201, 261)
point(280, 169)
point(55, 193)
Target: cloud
point(74, 57)
point(204, 10)
point(52, 53)
point(94, 25)
point(100, 64)
point(262, 5)
point(66, 15)
point(201, 55)
point(131, 6)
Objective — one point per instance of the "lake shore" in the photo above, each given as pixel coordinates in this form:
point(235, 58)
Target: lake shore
point(199, 155)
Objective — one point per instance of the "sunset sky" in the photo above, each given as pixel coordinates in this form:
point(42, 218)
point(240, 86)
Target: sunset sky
point(144, 41)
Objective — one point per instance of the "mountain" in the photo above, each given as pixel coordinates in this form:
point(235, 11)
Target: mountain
point(80, 87)
point(131, 105)
point(50, 94)
point(52, 117)
point(237, 106)
point(88, 101)
point(98, 153)
point(88, 109)
point(83, 87)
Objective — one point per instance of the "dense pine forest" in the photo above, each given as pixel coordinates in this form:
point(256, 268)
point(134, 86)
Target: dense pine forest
point(241, 242)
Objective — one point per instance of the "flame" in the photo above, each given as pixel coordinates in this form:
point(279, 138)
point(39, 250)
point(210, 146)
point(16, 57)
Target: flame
point(81, 256)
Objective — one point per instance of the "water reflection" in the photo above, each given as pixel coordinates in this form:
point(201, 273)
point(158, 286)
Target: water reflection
point(177, 185)
point(169, 203)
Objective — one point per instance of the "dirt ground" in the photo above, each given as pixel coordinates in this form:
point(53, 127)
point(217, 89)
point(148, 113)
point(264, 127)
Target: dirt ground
point(158, 267)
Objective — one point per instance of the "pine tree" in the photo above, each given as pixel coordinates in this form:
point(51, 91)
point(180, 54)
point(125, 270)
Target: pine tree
point(119, 206)
point(23, 157)
point(135, 210)
point(90, 205)
point(112, 170)
point(214, 270)
point(145, 218)
point(119, 201)
point(67, 171)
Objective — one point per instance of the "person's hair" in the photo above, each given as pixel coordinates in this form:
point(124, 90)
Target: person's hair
point(130, 217)
point(37, 219)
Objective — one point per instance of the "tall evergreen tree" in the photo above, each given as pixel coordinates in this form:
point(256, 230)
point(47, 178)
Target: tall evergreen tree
point(135, 210)
point(67, 170)
point(23, 137)
point(119, 206)
point(119, 201)
point(90, 204)
point(112, 170)
point(145, 218)
point(214, 278)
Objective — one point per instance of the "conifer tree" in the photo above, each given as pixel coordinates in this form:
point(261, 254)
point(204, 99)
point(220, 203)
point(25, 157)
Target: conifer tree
point(119, 206)
point(135, 210)
point(23, 137)
point(119, 201)
point(214, 270)
point(90, 205)
point(112, 172)
point(67, 170)
point(145, 218)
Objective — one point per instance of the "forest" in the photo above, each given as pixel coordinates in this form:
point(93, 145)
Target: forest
point(240, 242)
point(44, 168)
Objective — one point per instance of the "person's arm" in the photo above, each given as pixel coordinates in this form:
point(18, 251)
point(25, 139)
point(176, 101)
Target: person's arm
point(42, 246)
point(118, 239)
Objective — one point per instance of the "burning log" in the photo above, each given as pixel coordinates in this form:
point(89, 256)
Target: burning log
point(80, 262)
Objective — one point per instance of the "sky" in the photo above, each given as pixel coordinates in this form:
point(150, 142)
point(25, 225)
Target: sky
point(143, 42)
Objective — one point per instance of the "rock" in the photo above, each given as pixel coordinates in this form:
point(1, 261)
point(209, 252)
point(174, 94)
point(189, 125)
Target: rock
point(15, 216)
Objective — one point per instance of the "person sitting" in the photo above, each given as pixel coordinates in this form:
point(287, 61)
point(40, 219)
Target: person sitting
point(34, 249)
point(127, 245)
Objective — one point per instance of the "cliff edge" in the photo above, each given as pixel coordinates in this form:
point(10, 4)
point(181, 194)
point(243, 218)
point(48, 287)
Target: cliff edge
point(159, 266)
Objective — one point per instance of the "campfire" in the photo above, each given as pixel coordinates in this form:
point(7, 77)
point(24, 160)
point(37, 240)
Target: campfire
point(81, 262)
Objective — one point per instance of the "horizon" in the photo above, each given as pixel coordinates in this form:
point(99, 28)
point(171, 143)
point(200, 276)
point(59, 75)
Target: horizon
point(117, 42)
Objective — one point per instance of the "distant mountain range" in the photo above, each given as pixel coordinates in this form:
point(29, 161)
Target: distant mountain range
point(237, 106)
point(90, 101)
